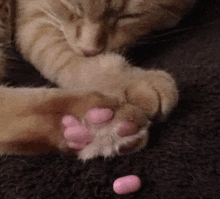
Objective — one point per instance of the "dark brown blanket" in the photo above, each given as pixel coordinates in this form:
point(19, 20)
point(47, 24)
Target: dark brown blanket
point(182, 159)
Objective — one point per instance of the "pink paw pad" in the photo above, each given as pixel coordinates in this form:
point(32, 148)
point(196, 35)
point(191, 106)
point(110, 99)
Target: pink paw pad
point(77, 135)
point(99, 116)
point(127, 129)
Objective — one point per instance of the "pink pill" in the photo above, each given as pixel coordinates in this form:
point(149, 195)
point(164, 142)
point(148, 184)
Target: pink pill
point(127, 184)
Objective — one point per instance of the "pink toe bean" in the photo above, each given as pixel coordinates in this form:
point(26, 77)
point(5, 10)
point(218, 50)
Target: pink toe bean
point(78, 134)
point(127, 129)
point(69, 120)
point(127, 184)
point(98, 116)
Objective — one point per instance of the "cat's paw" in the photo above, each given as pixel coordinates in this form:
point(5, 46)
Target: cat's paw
point(35, 124)
point(109, 132)
point(150, 94)
point(104, 132)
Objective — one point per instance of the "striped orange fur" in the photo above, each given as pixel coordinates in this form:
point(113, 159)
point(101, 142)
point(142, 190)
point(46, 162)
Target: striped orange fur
point(74, 43)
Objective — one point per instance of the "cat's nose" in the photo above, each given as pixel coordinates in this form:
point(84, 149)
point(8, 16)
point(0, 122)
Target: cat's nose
point(89, 53)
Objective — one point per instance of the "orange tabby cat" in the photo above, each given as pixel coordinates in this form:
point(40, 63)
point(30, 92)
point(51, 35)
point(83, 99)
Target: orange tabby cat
point(73, 44)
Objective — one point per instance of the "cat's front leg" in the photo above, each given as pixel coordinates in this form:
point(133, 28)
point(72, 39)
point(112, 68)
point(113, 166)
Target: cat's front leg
point(31, 119)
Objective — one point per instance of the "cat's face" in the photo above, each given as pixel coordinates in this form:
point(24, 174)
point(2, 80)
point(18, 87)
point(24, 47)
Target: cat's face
point(94, 26)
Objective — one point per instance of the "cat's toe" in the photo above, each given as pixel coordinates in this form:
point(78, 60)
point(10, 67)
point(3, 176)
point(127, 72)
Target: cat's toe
point(127, 129)
point(134, 136)
point(76, 135)
point(99, 115)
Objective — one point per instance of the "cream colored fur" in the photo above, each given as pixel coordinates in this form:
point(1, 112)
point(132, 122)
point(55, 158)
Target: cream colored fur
point(73, 44)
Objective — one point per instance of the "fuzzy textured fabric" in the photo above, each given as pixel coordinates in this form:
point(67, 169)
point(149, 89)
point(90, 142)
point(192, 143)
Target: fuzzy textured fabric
point(182, 159)
point(6, 14)
point(5, 11)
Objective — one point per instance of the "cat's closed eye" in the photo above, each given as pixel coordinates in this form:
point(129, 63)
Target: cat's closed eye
point(74, 17)
point(129, 18)
point(71, 17)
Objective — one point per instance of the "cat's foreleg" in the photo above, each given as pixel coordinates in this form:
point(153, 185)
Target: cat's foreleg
point(31, 118)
